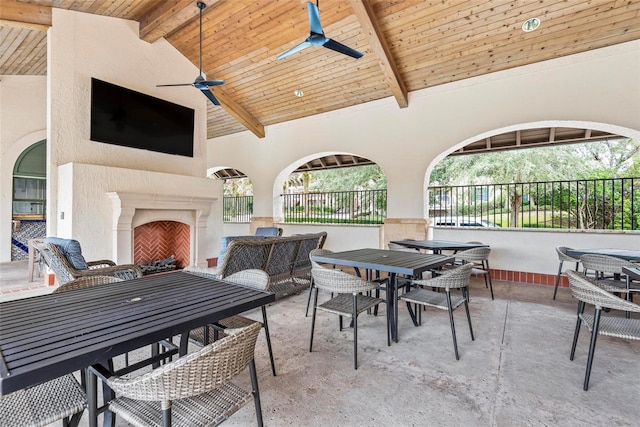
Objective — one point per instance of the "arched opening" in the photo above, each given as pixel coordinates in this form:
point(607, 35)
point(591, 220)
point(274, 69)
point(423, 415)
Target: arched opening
point(238, 194)
point(28, 199)
point(334, 189)
point(567, 176)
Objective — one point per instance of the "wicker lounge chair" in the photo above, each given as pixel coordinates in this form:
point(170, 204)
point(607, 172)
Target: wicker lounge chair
point(255, 279)
point(563, 256)
point(44, 404)
point(456, 278)
point(195, 390)
point(349, 301)
point(588, 291)
point(69, 264)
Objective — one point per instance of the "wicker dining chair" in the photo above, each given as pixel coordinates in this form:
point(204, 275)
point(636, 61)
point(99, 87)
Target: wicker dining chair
point(254, 279)
point(43, 404)
point(479, 257)
point(608, 273)
point(562, 257)
point(312, 253)
point(588, 291)
point(455, 278)
point(349, 301)
point(194, 390)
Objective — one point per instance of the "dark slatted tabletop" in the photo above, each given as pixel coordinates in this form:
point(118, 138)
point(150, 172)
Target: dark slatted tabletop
point(397, 262)
point(47, 336)
point(439, 245)
point(627, 254)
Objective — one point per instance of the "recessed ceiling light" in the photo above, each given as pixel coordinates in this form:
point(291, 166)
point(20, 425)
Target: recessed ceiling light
point(530, 25)
point(299, 93)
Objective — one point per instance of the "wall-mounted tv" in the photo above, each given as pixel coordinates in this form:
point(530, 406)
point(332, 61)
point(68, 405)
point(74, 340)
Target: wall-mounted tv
point(128, 118)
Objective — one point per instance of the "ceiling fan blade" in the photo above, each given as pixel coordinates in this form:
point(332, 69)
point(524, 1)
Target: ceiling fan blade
point(314, 18)
point(177, 84)
point(209, 95)
point(212, 82)
point(295, 49)
point(339, 47)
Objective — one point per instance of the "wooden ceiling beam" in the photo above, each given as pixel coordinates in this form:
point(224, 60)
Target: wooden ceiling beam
point(238, 112)
point(366, 16)
point(168, 16)
point(24, 15)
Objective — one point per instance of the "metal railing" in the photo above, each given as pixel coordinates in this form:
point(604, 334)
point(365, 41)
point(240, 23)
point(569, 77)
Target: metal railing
point(606, 204)
point(339, 207)
point(237, 209)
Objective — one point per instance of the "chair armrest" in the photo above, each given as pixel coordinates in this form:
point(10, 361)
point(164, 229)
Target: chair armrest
point(124, 271)
point(209, 273)
point(100, 263)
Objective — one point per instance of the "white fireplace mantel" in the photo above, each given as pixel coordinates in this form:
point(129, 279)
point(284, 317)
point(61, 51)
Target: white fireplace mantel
point(124, 205)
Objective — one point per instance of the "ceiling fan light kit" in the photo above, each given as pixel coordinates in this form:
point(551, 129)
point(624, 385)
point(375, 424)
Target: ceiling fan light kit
point(200, 83)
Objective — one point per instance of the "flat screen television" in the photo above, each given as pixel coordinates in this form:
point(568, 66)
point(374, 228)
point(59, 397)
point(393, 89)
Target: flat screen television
point(128, 118)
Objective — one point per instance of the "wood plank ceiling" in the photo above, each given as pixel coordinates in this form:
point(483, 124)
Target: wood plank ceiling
point(407, 44)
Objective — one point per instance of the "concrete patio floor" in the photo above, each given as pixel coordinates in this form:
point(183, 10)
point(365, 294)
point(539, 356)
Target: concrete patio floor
point(516, 372)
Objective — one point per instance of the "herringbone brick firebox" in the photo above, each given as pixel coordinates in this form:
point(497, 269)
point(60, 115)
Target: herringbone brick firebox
point(159, 240)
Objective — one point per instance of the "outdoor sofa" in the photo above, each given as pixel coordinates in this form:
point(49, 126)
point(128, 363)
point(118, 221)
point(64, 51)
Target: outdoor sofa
point(285, 259)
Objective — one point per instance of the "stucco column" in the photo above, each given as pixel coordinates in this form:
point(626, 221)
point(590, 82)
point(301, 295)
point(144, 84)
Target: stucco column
point(402, 228)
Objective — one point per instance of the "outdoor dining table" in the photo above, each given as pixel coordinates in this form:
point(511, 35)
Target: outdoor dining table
point(437, 246)
point(392, 262)
point(626, 254)
point(45, 337)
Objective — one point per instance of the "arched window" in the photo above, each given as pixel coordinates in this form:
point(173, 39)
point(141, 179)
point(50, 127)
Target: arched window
point(29, 183)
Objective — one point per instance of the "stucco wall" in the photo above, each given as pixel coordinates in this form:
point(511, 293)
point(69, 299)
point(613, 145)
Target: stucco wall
point(22, 123)
point(81, 46)
point(600, 88)
point(88, 214)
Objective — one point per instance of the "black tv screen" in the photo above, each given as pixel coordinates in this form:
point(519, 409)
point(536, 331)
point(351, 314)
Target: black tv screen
point(128, 118)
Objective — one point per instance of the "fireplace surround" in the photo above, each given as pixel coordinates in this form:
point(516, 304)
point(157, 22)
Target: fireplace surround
point(134, 209)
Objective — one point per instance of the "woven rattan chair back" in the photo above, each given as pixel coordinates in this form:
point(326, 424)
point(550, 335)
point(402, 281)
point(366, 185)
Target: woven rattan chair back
point(604, 263)
point(244, 255)
point(586, 289)
point(454, 278)
point(196, 373)
point(87, 282)
point(476, 255)
point(396, 247)
point(254, 279)
point(589, 291)
point(563, 256)
point(339, 282)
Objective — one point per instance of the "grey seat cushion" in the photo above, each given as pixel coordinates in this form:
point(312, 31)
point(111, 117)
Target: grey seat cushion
point(71, 249)
point(269, 231)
